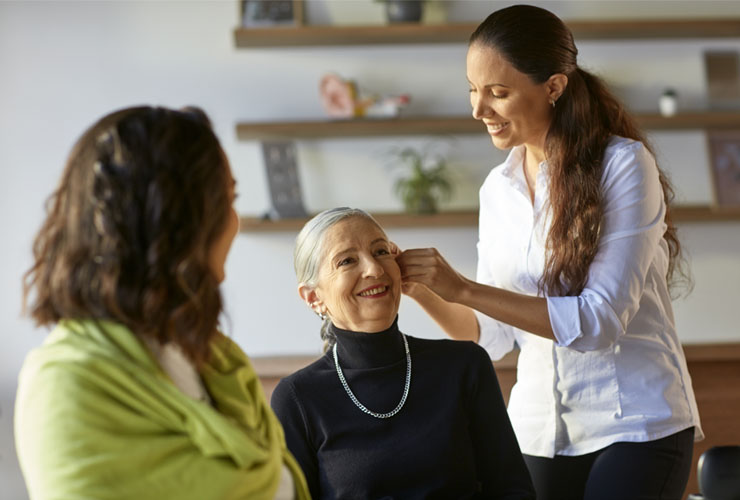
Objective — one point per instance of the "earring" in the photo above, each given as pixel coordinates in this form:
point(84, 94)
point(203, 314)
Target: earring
point(320, 314)
point(552, 102)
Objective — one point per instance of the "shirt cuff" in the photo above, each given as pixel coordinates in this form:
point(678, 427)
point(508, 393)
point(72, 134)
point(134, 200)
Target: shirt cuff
point(565, 319)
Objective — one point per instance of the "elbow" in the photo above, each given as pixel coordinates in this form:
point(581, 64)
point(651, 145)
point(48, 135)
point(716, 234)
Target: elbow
point(592, 326)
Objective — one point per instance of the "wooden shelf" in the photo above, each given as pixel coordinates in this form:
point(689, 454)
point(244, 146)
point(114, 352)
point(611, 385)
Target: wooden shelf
point(681, 214)
point(387, 220)
point(282, 366)
point(305, 36)
point(366, 127)
point(704, 213)
point(441, 125)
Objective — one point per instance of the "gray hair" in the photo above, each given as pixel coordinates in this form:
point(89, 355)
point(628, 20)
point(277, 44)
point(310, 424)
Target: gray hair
point(308, 252)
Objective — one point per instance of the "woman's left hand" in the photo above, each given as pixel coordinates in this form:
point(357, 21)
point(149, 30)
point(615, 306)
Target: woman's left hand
point(428, 267)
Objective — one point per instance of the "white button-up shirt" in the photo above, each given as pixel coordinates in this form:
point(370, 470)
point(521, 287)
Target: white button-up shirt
point(616, 371)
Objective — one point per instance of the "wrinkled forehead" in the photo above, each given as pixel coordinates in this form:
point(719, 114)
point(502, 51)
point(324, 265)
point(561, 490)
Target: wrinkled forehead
point(355, 232)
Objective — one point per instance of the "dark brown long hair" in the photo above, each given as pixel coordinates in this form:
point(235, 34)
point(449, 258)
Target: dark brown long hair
point(538, 44)
point(128, 230)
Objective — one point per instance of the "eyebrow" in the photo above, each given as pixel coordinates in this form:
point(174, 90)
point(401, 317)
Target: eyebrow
point(354, 249)
point(490, 84)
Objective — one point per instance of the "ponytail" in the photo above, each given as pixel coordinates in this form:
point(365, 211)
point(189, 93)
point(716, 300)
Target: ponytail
point(586, 116)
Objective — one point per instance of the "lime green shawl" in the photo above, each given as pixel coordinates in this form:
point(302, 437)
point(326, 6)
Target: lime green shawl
point(96, 417)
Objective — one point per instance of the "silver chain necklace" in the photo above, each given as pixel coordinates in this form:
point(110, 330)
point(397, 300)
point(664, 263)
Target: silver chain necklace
point(363, 407)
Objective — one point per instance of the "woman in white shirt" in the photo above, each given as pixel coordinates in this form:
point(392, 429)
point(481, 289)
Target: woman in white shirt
point(576, 254)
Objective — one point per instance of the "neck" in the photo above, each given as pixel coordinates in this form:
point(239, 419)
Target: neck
point(369, 350)
point(534, 156)
point(367, 326)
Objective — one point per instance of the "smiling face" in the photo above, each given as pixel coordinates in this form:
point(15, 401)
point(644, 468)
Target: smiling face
point(359, 282)
point(514, 108)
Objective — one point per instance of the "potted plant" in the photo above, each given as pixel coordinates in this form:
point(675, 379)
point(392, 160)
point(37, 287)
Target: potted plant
point(426, 182)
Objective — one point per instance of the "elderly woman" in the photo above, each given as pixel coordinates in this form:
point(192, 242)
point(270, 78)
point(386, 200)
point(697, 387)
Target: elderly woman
point(364, 421)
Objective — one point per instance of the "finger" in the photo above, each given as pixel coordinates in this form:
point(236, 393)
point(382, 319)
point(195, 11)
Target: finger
point(419, 252)
point(414, 270)
point(395, 250)
point(417, 260)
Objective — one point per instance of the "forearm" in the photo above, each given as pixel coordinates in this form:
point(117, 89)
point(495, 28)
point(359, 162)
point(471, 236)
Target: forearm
point(456, 320)
point(525, 312)
point(425, 268)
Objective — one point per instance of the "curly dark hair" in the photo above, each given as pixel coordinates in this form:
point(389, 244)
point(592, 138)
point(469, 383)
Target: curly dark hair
point(142, 198)
point(537, 43)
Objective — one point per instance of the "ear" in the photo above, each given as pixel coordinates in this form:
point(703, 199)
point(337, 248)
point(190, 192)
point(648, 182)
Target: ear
point(394, 249)
point(555, 86)
point(310, 297)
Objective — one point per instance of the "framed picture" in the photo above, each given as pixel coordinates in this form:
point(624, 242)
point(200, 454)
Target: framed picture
point(260, 13)
point(722, 68)
point(282, 177)
point(724, 151)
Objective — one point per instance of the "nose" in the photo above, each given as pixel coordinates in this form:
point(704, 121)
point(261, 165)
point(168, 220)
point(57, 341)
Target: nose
point(481, 109)
point(372, 268)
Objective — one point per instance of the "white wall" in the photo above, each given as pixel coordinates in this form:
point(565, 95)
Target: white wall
point(63, 64)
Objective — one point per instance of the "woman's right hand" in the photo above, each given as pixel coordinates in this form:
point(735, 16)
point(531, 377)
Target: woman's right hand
point(426, 277)
point(425, 269)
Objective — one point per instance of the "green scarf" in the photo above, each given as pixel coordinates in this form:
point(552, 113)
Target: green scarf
point(96, 417)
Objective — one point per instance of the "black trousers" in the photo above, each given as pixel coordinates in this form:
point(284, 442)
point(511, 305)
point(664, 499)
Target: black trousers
point(650, 470)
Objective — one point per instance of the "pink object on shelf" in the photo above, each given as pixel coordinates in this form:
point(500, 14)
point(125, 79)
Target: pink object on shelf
point(341, 100)
point(337, 96)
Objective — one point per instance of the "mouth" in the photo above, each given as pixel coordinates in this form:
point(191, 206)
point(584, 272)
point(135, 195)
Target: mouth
point(375, 291)
point(496, 128)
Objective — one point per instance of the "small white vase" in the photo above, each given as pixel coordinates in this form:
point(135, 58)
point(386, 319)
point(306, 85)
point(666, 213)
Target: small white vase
point(668, 104)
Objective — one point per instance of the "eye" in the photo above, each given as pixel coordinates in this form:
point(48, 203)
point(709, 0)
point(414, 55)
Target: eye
point(499, 96)
point(345, 261)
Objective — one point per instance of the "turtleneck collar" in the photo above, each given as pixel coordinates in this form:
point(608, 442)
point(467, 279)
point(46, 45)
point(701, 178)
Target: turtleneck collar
point(369, 350)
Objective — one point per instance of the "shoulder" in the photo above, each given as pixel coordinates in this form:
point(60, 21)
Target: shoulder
point(623, 154)
point(49, 371)
point(463, 351)
point(62, 359)
point(627, 161)
point(304, 381)
point(309, 372)
point(496, 174)
point(459, 363)
point(501, 173)
point(62, 388)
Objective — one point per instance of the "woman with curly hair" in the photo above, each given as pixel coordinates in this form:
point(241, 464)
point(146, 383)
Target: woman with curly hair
point(576, 253)
point(135, 393)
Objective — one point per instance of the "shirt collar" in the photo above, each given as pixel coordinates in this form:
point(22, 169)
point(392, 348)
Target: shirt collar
point(515, 159)
point(513, 169)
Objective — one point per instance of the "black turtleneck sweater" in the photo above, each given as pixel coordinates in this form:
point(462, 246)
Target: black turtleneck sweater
point(452, 439)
